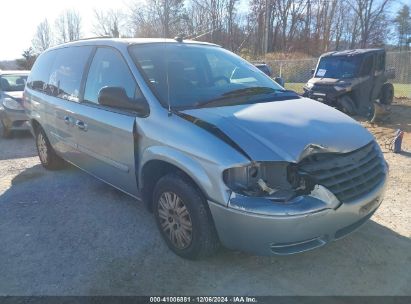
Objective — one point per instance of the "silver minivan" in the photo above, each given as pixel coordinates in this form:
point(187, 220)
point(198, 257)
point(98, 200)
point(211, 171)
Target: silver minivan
point(218, 151)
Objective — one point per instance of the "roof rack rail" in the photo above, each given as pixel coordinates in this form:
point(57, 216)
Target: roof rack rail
point(89, 38)
point(83, 39)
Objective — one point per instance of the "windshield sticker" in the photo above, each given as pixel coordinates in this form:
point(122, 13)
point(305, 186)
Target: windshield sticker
point(321, 72)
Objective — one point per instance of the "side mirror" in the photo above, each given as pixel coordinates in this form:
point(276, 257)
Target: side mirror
point(116, 97)
point(312, 72)
point(38, 85)
point(280, 81)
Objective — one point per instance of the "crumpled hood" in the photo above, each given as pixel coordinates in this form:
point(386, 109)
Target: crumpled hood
point(286, 130)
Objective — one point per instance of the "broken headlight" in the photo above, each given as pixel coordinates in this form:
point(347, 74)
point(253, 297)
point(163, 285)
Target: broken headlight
point(275, 180)
point(340, 86)
point(309, 85)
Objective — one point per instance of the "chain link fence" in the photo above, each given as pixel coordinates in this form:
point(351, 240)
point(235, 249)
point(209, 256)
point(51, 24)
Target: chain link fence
point(297, 72)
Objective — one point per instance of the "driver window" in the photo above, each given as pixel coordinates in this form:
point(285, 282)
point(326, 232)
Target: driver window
point(108, 69)
point(380, 63)
point(367, 66)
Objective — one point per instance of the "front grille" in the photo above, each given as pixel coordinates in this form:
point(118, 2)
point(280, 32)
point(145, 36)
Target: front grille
point(323, 88)
point(347, 175)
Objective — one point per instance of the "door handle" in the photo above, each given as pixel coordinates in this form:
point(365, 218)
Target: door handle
point(81, 125)
point(67, 119)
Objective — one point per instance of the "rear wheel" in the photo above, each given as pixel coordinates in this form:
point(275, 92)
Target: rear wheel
point(183, 218)
point(48, 157)
point(387, 94)
point(5, 132)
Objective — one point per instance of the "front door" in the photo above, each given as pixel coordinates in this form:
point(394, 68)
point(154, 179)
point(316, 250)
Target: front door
point(379, 75)
point(363, 92)
point(106, 138)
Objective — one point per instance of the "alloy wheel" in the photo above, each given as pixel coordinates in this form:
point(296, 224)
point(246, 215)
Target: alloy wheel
point(42, 148)
point(175, 220)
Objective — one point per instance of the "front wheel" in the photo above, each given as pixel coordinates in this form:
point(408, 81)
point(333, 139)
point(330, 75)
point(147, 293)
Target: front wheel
point(183, 218)
point(346, 104)
point(48, 157)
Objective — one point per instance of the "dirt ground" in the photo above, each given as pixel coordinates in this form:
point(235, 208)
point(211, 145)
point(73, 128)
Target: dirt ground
point(400, 166)
point(399, 118)
point(66, 233)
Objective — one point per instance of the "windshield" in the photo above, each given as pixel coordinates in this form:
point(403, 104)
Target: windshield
point(12, 83)
point(337, 67)
point(203, 76)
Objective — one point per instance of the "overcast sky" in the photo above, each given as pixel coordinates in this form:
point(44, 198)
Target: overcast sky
point(19, 19)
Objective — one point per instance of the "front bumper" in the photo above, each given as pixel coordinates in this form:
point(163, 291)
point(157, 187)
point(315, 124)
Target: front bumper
point(14, 119)
point(262, 227)
point(326, 94)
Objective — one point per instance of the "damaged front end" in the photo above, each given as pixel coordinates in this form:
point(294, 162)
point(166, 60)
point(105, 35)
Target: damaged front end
point(276, 189)
point(320, 180)
point(285, 208)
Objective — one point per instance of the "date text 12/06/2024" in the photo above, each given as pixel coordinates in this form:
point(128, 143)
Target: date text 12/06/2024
point(203, 299)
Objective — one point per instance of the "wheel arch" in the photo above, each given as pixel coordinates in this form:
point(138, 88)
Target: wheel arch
point(35, 125)
point(160, 161)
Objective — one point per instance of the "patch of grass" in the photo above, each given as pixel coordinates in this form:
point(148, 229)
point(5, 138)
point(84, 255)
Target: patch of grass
point(296, 86)
point(400, 89)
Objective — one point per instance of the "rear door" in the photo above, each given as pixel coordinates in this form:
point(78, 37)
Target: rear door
point(106, 138)
point(64, 86)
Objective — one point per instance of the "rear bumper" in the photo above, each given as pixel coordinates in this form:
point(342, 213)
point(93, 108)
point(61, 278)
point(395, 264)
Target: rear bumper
point(14, 120)
point(261, 227)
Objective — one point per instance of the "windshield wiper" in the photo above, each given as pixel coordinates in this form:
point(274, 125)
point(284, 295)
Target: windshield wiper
point(249, 91)
point(240, 93)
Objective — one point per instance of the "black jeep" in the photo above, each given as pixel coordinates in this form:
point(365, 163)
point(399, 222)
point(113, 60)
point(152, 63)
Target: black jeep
point(354, 81)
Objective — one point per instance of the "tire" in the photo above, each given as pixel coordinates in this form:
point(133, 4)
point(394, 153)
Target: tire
point(48, 157)
point(371, 115)
point(5, 132)
point(183, 217)
point(387, 94)
point(346, 104)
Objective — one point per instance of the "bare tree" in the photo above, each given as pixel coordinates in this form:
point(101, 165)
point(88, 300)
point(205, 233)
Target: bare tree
point(109, 23)
point(369, 13)
point(308, 26)
point(68, 26)
point(231, 14)
point(43, 38)
point(158, 18)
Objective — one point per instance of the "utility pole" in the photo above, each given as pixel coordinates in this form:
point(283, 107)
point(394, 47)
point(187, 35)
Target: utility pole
point(266, 21)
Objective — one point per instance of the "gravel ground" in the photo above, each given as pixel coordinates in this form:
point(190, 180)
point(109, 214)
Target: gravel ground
point(66, 233)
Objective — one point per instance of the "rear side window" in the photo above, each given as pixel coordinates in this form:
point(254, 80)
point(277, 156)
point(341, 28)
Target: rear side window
point(40, 73)
point(109, 69)
point(67, 71)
